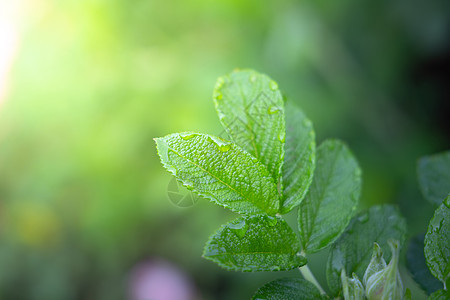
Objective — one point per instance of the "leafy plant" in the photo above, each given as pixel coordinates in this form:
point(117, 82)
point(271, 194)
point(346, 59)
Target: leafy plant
point(429, 255)
point(270, 165)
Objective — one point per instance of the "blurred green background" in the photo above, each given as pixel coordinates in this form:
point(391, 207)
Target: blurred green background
point(84, 208)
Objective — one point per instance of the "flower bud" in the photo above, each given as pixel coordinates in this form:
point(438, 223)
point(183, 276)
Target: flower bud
point(376, 264)
point(386, 283)
point(352, 287)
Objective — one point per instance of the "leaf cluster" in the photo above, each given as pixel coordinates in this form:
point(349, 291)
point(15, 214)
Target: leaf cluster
point(267, 166)
point(429, 255)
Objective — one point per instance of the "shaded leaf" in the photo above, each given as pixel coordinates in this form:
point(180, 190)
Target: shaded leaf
point(353, 250)
point(299, 159)
point(416, 264)
point(288, 289)
point(437, 243)
point(332, 198)
point(256, 243)
point(434, 176)
point(220, 171)
point(440, 295)
point(251, 109)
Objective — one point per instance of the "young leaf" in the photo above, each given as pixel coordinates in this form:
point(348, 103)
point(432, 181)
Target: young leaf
point(417, 266)
point(251, 109)
point(256, 243)
point(437, 243)
point(352, 288)
point(332, 198)
point(220, 171)
point(376, 264)
point(434, 176)
point(299, 159)
point(386, 283)
point(288, 289)
point(352, 251)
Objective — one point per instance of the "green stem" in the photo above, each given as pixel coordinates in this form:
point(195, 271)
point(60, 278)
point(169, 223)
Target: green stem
point(308, 275)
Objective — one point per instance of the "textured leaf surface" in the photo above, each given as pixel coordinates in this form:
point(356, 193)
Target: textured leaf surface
point(220, 171)
point(434, 176)
point(256, 243)
point(251, 109)
point(353, 250)
point(440, 295)
point(437, 243)
point(332, 198)
point(288, 289)
point(299, 159)
point(417, 266)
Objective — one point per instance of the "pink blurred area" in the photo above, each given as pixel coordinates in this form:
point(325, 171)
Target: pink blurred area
point(9, 40)
point(157, 279)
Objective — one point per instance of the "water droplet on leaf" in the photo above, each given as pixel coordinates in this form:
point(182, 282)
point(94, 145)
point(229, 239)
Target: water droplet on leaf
point(275, 268)
point(273, 109)
point(273, 85)
point(188, 184)
point(272, 221)
point(239, 229)
point(222, 145)
point(187, 136)
point(364, 217)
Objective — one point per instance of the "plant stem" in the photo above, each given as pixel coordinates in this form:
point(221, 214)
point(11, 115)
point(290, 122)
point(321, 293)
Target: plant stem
point(308, 275)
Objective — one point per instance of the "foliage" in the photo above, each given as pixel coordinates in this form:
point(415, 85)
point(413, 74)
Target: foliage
point(252, 174)
point(433, 176)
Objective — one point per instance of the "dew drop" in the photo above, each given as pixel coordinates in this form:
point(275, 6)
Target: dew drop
point(172, 170)
point(357, 172)
point(239, 229)
point(224, 148)
point(187, 136)
point(219, 83)
point(275, 268)
point(273, 85)
point(222, 145)
point(306, 123)
point(282, 136)
point(253, 78)
point(272, 221)
point(188, 184)
point(273, 109)
point(364, 217)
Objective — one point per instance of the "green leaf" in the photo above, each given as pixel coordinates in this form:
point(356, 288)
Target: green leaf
point(288, 289)
point(434, 176)
point(437, 243)
point(256, 243)
point(251, 109)
point(332, 198)
point(220, 171)
point(417, 266)
point(299, 159)
point(353, 250)
point(440, 295)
